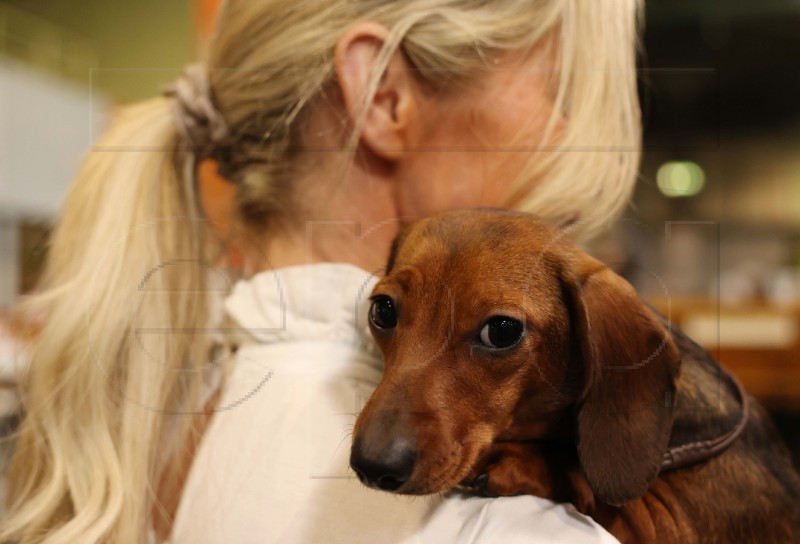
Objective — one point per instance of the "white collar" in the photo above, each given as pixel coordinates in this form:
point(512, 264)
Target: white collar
point(326, 301)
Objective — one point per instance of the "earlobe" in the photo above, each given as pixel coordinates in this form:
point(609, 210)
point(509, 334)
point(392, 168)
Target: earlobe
point(381, 110)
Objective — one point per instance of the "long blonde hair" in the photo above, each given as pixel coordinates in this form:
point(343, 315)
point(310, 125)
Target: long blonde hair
point(121, 358)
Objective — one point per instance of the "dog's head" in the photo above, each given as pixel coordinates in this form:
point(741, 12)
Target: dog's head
point(494, 326)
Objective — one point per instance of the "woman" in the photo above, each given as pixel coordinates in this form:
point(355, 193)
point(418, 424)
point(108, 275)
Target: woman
point(335, 122)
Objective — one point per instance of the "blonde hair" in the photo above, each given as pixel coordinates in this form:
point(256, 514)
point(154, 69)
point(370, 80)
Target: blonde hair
point(128, 260)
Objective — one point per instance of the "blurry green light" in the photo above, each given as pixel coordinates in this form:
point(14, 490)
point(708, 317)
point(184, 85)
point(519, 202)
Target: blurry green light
point(680, 179)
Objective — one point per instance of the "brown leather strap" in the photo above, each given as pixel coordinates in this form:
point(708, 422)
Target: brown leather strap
point(696, 452)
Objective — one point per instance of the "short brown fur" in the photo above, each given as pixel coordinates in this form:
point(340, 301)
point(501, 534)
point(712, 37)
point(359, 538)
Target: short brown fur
point(583, 408)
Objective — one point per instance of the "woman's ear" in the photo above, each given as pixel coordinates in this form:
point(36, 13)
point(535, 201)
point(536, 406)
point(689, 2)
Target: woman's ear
point(384, 113)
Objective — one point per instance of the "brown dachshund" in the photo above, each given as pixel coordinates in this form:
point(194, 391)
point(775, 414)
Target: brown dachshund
point(518, 363)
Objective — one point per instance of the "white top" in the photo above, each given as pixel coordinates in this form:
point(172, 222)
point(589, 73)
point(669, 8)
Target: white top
point(273, 464)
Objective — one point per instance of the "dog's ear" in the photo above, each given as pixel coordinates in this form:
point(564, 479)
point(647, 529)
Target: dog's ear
point(631, 364)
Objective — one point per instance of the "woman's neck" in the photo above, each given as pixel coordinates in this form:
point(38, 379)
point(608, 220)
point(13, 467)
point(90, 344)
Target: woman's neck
point(336, 241)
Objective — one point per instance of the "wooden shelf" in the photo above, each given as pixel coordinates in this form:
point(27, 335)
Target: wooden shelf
point(757, 341)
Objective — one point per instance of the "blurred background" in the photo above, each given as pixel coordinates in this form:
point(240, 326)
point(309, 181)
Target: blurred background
point(713, 235)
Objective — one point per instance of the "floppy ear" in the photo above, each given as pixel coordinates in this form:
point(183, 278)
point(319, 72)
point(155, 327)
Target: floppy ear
point(631, 364)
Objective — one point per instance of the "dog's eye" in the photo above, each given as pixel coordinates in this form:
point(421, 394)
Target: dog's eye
point(501, 332)
point(382, 313)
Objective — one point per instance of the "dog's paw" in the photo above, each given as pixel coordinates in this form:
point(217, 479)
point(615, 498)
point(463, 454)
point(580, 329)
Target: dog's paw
point(515, 469)
point(542, 469)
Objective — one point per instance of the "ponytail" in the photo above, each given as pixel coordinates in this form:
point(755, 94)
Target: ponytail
point(118, 363)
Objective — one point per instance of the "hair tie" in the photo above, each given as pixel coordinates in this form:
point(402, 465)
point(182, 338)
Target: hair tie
point(198, 121)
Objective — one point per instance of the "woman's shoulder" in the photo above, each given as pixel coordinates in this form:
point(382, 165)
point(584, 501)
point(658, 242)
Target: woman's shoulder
point(273, 464)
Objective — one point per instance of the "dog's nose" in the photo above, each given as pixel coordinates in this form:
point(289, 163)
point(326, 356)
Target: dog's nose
point(388, 469)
